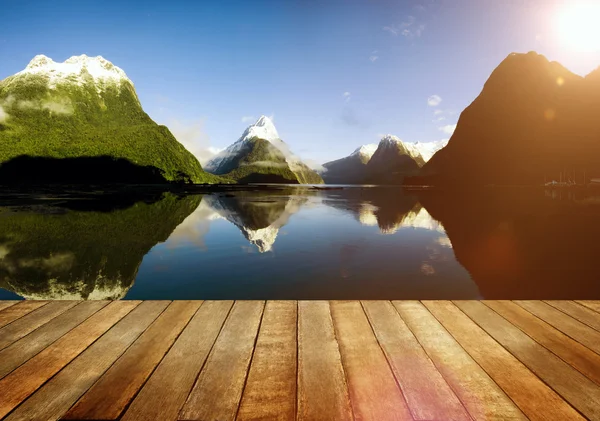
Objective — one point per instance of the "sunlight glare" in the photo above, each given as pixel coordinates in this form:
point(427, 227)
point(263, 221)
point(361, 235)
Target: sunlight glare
point(578, 26)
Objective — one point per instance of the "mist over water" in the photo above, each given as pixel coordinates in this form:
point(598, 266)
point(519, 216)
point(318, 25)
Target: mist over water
point(304, 243)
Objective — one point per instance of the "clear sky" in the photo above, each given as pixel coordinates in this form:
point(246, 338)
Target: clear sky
point(333, 74)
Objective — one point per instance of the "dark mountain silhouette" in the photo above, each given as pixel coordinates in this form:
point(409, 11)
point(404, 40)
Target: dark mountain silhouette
point(533, 120)
point(392, 162)
point(524, 243)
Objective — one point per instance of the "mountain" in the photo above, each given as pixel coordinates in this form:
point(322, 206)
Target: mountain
point(57, 253)
point(82, 121)
point(392, 161)
point(350, 169)
point(353, 168)
point(533, 121)
point(261, 156)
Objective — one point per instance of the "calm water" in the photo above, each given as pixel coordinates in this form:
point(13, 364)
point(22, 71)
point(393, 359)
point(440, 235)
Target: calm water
point(301, 243)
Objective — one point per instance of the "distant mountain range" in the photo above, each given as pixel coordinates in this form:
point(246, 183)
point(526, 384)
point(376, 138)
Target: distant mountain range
point(81, 122)
point(386, 163)
point(259, 155)
point(534, 121)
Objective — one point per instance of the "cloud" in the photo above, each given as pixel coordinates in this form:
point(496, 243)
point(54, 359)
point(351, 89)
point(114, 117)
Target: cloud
point(373, 58)
point(266, 164)
point(191, 135)
point(408, 28)
point(62, 106)
point(3, 115)
point(347, 96)
point(314, 165)
point(438, 112)
point(434, 100)
point(248, 119)
point(448, 129)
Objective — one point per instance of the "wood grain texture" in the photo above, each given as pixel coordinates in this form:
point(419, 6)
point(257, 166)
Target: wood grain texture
point(594, 305)
point(7, 303)
point(25, 348)
point(26, 379)
point(117, 387)
point(534, 397)
point(579, 312)
point(56, 397)
point(374, 393)
point(428, 395)
point(227, 366)
point(322, 389)
point(270, 392)
point(179, 369)
point(30, 322)
point(578, 356)
point(573, 386)
point(482, 397)
point(583, 334)
point(14, 312)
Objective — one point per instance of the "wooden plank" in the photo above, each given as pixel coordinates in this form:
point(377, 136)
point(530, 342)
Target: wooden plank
point(178, 370)
point(28, 323)
point(583, 334)
point(374, 393)
point(14, 312)
point(536, 399)
point(227, 366)
point(573, 386)
point(428, 395)
point(270, 392)
point(59, 393)
point(577, 355)
point(26, 379)
point(117, 387)
point(30, 345)
point(7, 303)
point(482, 397)
point(579, 312)
point(594, 305)
point(322, 389)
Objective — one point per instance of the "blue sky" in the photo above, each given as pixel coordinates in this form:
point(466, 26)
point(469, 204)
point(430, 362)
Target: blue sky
point(333, 74)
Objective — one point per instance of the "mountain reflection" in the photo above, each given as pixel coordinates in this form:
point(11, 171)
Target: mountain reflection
point(52, 252)
point(259, 217)
point(524, 243)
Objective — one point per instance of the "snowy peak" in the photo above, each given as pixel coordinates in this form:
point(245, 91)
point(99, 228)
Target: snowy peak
point(75, 69)
point(263, 129)
point(423, 150)
point(366, 150)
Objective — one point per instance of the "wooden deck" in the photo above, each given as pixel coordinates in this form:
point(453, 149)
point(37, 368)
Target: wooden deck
point(305, 360)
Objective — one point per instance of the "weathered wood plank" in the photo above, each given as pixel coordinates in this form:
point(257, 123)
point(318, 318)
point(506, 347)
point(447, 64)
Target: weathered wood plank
point(7, 303)
point(594, 305)
point(428, 395)
point(270, 392)
point(25, 348)
point(54, 398)
point(573, 386)
point(577, 355)
point(536, 399)
point(178, 370)
point(579, 312)
point(26, 379)
point(482, 397)
point(227, 366)
point(583, 334)
point(28, 323)
point(322, 389)
point(14, 312)
point(117, 387)
point(374, 393)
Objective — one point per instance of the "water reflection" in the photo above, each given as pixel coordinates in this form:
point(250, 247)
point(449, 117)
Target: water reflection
point(301, 243)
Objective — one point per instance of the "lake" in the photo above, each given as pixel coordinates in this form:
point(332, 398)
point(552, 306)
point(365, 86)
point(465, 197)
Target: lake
point(285, 242)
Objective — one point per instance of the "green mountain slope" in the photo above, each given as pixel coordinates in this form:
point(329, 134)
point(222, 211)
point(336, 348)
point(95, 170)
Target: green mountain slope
point(47, 111)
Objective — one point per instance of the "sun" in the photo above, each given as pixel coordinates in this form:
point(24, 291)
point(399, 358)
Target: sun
point(578, 26)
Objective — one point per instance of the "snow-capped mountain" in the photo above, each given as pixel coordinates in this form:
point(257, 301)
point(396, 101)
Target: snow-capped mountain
point(86, 108)
point(259, 155)
point(392, 161)
point(366, 151)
